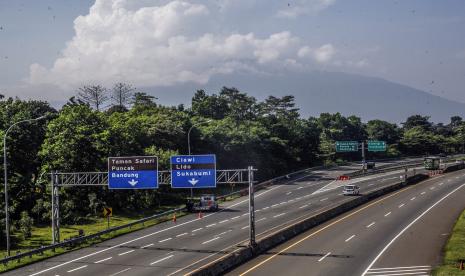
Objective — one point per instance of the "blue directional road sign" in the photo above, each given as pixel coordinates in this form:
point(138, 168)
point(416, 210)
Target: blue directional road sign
point(193, 171)
point(134, 172)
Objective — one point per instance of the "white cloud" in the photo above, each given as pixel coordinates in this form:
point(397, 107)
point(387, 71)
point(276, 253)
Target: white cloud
point(322, 54)
point(166, 44)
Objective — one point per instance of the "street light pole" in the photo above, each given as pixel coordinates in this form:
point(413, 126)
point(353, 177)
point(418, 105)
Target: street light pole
point(7, 217)
point(189, 142)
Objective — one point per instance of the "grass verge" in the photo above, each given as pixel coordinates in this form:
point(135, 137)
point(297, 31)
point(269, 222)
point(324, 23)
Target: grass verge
point(454, 251)
point(42, 236)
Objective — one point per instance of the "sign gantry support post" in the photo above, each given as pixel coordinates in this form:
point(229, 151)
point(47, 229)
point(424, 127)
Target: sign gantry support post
point(55, 209)
point(363, 157)
point(252, 242)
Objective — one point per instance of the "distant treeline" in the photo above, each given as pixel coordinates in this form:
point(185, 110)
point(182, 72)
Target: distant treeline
point(239, 129)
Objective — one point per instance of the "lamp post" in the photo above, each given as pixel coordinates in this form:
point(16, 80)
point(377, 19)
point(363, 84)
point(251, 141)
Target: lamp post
point(189, 142)
point(7, 222)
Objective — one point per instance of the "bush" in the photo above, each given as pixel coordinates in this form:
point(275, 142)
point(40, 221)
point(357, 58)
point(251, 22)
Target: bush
point(25, 224)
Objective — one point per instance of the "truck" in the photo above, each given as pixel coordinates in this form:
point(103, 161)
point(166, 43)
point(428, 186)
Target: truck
point(432, 162)
point(205, 203)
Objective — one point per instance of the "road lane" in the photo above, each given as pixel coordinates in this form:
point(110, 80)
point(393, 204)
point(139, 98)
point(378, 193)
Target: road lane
point(353, 245)
point(190, 250)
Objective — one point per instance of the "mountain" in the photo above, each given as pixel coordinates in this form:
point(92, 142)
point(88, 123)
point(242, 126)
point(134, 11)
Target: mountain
point(318, 91)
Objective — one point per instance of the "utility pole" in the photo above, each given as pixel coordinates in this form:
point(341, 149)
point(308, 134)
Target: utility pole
point(252, 242)
point(363, 157)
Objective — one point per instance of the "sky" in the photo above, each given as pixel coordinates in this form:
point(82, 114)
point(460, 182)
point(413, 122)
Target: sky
point(49, 48)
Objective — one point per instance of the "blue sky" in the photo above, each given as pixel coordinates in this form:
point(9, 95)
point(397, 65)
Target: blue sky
point(417, 43)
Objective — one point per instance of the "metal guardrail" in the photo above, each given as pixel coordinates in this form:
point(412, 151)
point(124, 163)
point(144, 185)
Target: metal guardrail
point(73, 242)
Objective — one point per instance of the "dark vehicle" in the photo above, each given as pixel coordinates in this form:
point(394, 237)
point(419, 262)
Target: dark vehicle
point(432, 163)
point(205, 203)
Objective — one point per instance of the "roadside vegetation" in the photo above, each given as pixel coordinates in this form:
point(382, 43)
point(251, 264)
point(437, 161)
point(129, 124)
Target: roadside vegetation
point(454, 251)
point(122, 121)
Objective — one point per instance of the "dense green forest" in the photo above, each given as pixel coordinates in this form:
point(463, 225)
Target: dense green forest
point(238, 128)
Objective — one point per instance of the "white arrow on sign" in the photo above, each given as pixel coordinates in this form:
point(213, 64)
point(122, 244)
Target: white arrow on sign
point(133, 182)
point(193, 181)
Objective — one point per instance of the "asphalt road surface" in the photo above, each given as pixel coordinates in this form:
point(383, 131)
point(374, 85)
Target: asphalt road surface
point(181, 247)
point(399, 234)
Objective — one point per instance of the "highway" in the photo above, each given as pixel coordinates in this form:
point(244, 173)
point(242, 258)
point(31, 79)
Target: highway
point(179, 248)
point(399, 234)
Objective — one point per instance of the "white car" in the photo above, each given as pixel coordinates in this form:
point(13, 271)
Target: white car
point(351, 190)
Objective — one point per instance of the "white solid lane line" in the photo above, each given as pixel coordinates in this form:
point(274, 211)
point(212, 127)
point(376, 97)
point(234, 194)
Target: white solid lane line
point(77, 268)
point(180, 235)
point(119, 272)
point(387, 214)
point(371, 224)
point(101, 261)
point(127, 252)
point(162, 259)
point(407, 227)
point(274, 205)
point(167, 239)
point(401, 267)
point(278, 215)
point(198, 229)
point(322, 258)
point(351, 237)
point(145, 246)
point(205, 242)
point(402, 205)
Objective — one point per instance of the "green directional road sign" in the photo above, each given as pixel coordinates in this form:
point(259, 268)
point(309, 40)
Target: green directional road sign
point(346, 146)
point(376, 145)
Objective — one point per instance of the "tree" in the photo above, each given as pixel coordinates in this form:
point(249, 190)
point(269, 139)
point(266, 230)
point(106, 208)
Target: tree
point(122, 94)
point(94, 95)
point(383, 131)
point(417, 121)
point(142, 99)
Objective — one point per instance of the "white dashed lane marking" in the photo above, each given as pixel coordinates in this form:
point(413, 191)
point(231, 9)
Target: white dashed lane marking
point(145, 246)
point(162, 259)
point(210, 225)
point(226, 220)
point(167, 239)
point(278, 215)
point(351, 237)
point(198, 229)
point(413, 198)
point(324, 199)
point(127, 252)
point(101, 261)
point(322, 258)
point(387, 214)
point(214, 239)
point(236, 217)
point(303, 206)
point(423, 193)
point(371, 224)
point(77, 268)
point(119, 272)
point(180, 235)
point(402, 205)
